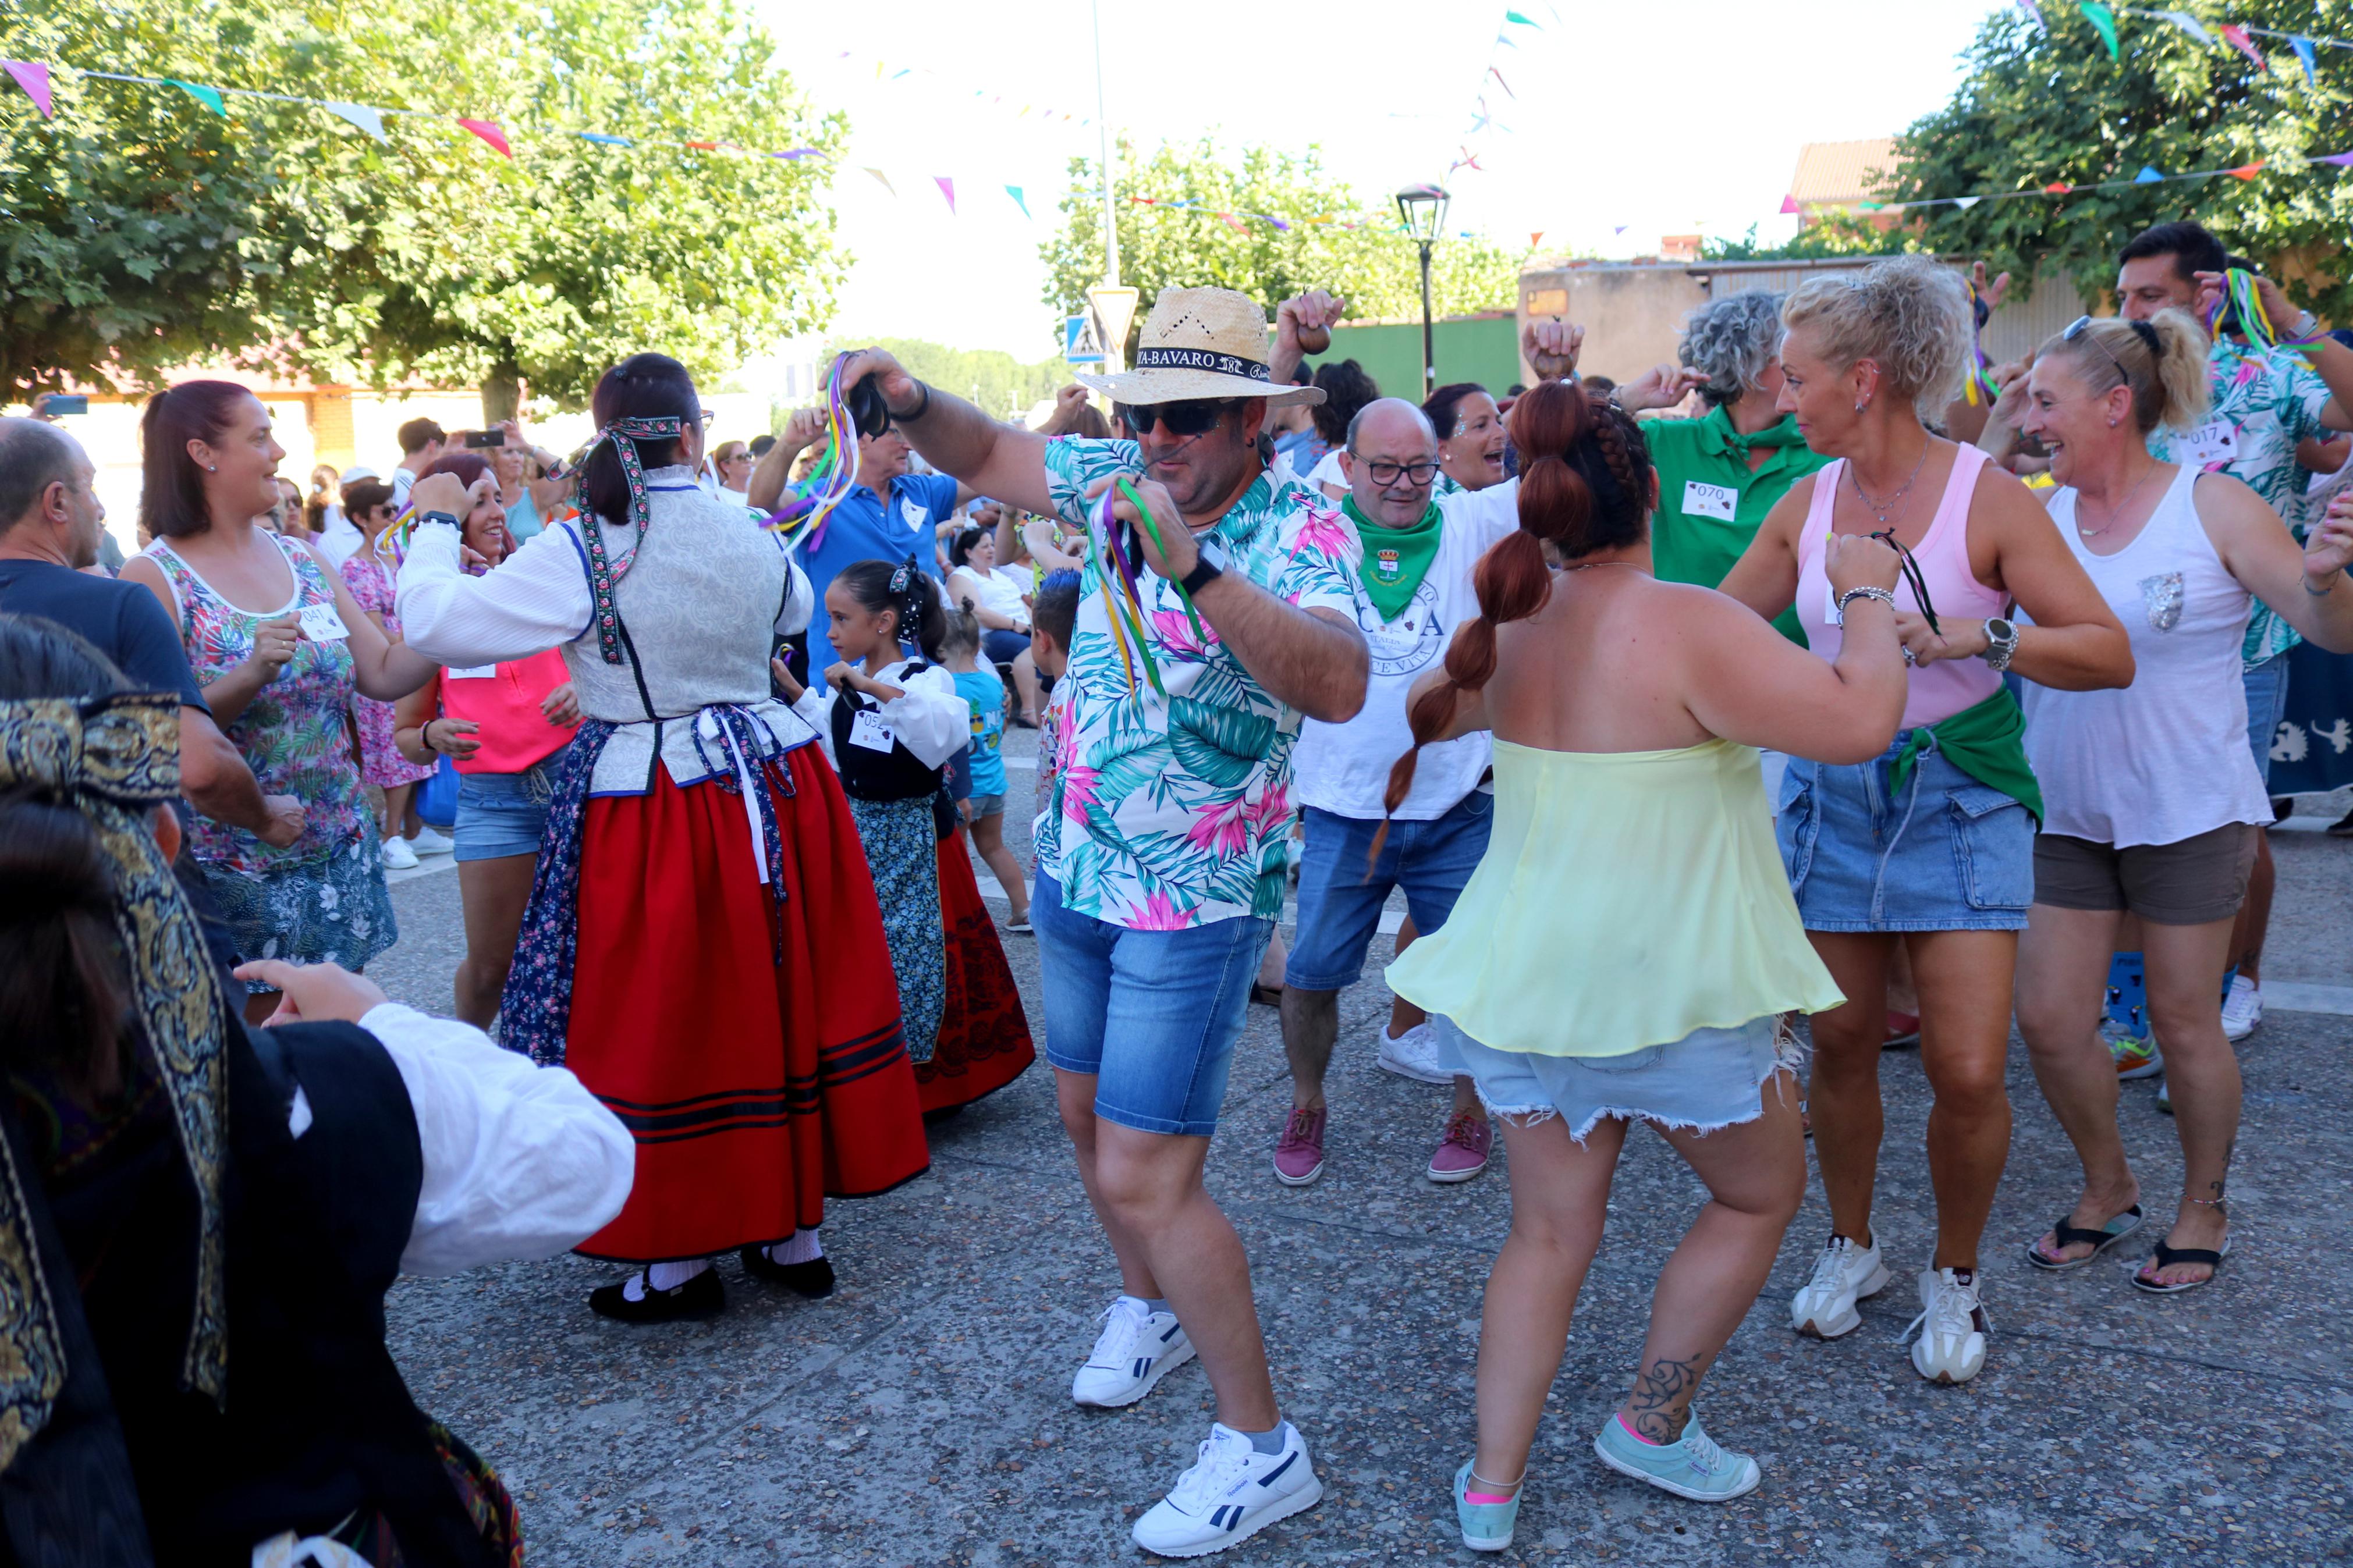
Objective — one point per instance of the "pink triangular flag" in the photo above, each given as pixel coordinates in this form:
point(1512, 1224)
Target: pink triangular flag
point(2236, 36)
point(33, 77)
point(947, 189)
point(488, 130)
point(1789, 204)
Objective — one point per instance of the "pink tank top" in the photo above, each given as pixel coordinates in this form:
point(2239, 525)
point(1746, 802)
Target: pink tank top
point(504, 700)
point(1941, 690)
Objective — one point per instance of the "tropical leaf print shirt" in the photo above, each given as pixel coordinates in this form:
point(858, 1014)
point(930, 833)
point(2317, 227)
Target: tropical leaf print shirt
point(1171, 812)
point(2272, 400)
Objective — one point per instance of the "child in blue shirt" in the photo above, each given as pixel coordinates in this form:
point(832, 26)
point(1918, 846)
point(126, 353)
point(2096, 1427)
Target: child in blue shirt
point(984, 814)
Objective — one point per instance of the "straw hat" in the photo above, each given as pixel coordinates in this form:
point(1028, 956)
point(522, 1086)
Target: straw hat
point(1201, 342)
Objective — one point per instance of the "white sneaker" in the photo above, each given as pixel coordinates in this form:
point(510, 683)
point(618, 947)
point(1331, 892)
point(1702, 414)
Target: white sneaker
point(1843, 1275)
point(1952, 1326)
point(1413, 1055)
point(2242, 1009)
point(1137, 1348)
point(1231, 1493)
point(425, 841)
point(398, 856)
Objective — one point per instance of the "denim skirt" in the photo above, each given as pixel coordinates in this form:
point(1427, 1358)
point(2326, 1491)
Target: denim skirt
point(1943, 853)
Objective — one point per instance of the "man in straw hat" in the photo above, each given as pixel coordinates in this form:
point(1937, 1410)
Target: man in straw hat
point(1211, 619)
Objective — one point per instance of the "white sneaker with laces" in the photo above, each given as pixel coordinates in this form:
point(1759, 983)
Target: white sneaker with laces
point(1231, 1493)
point(1844, 1274)
point(1952, 1327)
point(398, 856)
point(1137, 1348)
point(1413, 1055)
point(425, 841)
point(2242, 1009)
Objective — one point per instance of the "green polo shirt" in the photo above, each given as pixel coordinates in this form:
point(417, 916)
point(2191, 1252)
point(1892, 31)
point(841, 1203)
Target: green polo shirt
point(1702, 472)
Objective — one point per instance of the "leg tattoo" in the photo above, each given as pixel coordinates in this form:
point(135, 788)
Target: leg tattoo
point(1660, 1403)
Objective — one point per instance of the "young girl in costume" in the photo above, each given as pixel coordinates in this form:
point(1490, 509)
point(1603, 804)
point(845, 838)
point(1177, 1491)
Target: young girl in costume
point(891, 723)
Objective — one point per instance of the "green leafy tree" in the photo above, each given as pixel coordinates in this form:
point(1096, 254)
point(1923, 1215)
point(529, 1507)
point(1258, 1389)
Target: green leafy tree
point(284, 231)
point(1375, 267)
point(2039, 111)
point(991, 378)
point(1831, 235)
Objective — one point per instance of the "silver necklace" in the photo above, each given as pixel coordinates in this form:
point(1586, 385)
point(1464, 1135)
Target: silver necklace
point(1881, 512)
point(2115, 511)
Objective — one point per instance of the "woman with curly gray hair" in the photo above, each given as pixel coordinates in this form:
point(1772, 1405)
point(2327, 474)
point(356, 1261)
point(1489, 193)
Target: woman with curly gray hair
point(1719, 475)
point(1932, 842)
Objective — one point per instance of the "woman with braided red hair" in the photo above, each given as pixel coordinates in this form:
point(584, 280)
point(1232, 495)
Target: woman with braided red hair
point(1626, 713)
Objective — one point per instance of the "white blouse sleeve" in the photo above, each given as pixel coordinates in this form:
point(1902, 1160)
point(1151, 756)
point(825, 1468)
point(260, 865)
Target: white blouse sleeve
point(815, 709)
point(800, 599)
point(931, 719)
point(521, 1162)
point(537, 598)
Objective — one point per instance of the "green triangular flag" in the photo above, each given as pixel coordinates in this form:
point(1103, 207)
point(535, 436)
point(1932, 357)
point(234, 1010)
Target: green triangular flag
point(208, 96)
point(1523, 21)
point(2104, 22)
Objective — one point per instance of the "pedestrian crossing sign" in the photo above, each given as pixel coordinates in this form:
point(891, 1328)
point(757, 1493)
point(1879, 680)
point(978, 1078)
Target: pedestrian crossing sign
point(1082, 340)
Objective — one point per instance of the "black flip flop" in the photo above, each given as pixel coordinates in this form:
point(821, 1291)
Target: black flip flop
point(2166, 1257)
point(2069, 1235)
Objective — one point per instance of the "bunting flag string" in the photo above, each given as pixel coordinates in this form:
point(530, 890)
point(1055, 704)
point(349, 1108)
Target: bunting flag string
point(2146, 176)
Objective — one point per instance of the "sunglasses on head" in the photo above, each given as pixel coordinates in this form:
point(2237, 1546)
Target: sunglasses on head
point(1187, 417)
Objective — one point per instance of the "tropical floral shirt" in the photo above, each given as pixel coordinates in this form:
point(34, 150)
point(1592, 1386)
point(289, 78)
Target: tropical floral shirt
point(2273, 400)
point(1171, 812)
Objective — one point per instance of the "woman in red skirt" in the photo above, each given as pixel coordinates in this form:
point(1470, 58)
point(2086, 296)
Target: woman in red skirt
point(703, 947)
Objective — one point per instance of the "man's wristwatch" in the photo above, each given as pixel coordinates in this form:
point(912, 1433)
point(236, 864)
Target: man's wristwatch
point(2001, 642)
point(424, 518)
point(1207, 569)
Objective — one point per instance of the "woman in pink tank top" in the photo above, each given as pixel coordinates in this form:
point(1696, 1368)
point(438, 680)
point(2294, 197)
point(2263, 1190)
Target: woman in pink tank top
point(1931, 843)
point(505, 726)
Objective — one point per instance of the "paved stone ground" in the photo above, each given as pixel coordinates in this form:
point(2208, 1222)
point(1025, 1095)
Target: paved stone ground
point(921, 1415)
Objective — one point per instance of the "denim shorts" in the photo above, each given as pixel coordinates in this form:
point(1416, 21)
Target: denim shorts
point(1944, 853)
point(1709, 1080)
point(1340, 903)
point(1153, 1015)
point(500, 815)
point(988, 806)
point(2266, 705)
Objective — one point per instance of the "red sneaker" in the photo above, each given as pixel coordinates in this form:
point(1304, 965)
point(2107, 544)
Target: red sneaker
point(1462, 1153)
point(1902, 1029)
point(1299, 1152)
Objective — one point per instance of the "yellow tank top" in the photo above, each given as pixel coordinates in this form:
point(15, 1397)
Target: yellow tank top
point(1626, 900)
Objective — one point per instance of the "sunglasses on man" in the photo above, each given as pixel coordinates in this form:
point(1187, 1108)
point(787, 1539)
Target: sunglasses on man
point(1187, 416)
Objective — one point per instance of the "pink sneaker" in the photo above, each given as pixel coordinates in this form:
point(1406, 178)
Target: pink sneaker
point(1299, 1152)
point(1462, 1153)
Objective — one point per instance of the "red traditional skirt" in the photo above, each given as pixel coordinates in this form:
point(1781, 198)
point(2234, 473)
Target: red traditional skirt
point(984, 1041)
point(754, 1089)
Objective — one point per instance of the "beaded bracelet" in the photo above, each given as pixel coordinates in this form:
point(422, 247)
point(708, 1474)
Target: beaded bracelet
point(1883, 595)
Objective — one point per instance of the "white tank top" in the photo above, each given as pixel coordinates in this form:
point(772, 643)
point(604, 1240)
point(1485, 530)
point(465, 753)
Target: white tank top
point(2165, 758)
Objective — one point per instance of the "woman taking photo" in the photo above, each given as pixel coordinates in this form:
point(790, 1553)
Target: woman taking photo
point(1933, 838)
point(1625, 712)
point(703, 946)
point(2153, 798)
point(505, 726)
point(382, 763)
point(282, 647)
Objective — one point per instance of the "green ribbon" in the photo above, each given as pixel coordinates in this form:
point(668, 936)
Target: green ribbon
point(1986, 741)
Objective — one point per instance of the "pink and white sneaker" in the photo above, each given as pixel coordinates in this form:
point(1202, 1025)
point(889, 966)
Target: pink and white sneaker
point(1462, 1153)
point(1299, 1152)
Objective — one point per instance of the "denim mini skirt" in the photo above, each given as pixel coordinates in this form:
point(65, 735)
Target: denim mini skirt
point(1943, 853)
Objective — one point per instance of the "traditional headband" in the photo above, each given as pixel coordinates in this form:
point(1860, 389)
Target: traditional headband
point(602, 574)
point(115, 758)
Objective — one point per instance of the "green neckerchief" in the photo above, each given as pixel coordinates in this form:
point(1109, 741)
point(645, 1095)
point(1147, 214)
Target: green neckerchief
point(1716, 434)
point(1396, 559)
point(1987, 742)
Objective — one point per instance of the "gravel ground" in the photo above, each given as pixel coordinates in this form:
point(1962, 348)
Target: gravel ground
point(921, 1414)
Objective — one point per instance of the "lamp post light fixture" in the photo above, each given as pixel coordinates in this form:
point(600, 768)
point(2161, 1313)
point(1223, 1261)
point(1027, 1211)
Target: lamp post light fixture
point(1423, 208)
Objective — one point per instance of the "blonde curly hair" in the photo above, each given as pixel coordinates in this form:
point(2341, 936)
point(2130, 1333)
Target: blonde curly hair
point(1909, 315)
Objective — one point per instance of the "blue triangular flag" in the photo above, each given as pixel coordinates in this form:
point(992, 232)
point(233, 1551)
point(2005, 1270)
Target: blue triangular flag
point(1015, 192)
point(2147, 176)
point(2303, 48)
point(603, 141)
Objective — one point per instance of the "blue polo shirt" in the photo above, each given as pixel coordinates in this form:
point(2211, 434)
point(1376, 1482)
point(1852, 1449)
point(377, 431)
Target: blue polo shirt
point(863, 527)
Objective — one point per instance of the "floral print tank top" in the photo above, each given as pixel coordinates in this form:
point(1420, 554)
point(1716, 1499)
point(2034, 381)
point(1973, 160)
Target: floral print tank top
point(292, 733)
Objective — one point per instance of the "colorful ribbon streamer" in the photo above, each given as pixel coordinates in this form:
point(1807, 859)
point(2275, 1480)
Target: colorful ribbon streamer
point(836, 471)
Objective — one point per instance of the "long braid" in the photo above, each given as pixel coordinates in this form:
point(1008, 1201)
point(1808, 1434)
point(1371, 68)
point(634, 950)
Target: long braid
point(1563, 434)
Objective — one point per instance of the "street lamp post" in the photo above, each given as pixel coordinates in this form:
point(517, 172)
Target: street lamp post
point(1423, 208)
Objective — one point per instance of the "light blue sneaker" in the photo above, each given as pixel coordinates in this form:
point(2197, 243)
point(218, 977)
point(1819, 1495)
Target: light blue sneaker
point(1486, 1526)
point(1692, 1466)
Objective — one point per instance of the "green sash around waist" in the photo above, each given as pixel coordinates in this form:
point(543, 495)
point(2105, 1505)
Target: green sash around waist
point(1987, 742)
